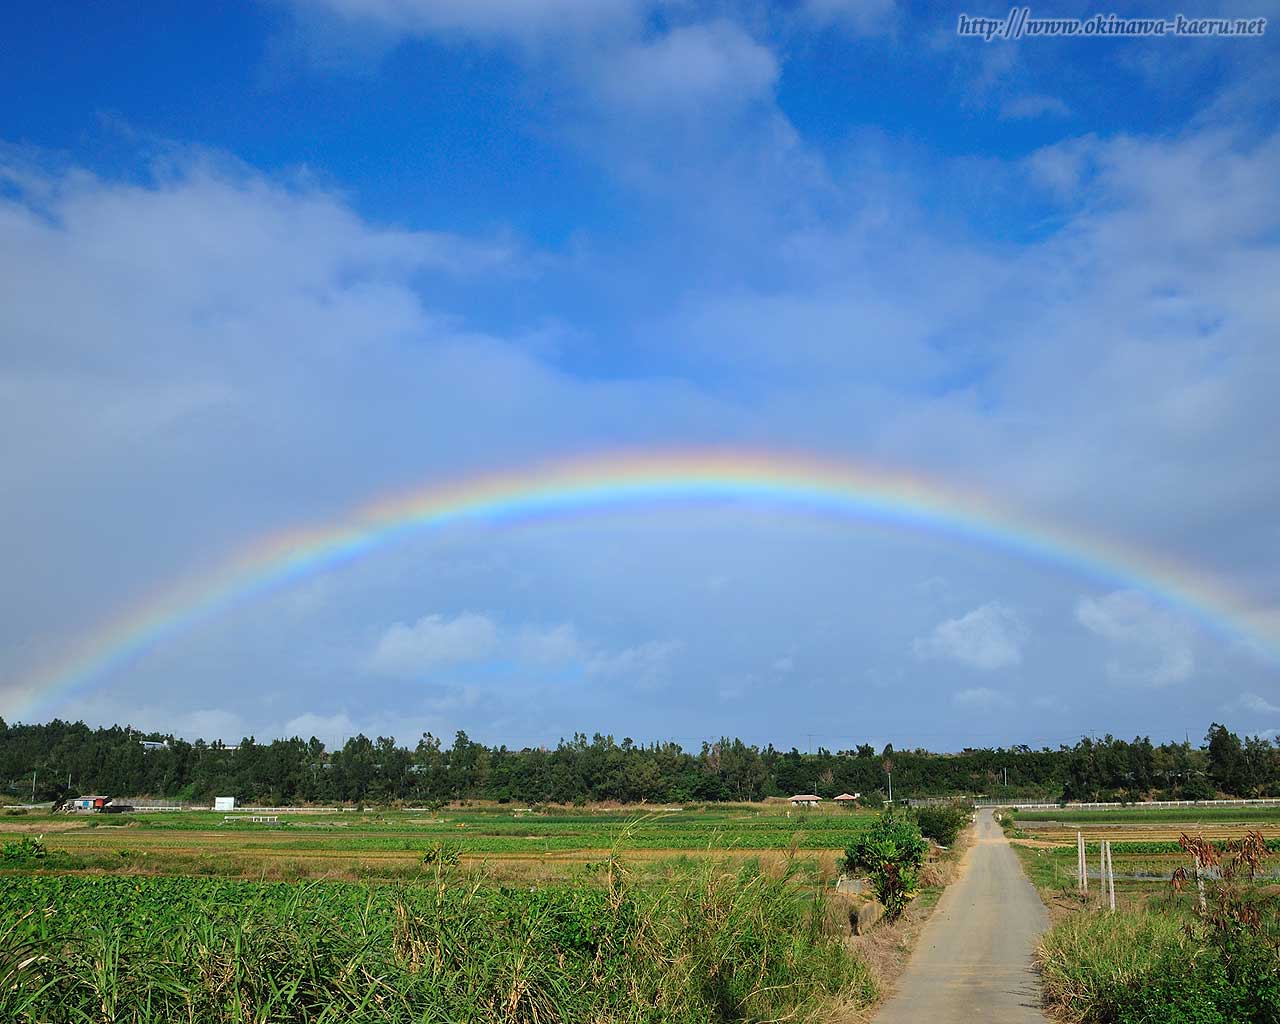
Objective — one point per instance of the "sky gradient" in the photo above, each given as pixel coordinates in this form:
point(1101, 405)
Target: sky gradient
point(269, 265)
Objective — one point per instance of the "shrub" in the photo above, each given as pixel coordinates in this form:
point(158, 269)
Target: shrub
point(942, 823)
point(891, 852)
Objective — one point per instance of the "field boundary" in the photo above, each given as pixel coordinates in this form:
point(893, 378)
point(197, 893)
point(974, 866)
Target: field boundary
point(1119, 805)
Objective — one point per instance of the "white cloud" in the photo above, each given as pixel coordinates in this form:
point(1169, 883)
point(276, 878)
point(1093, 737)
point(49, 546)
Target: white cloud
point(548, 645)
point(645, 666)
point(433, 641)
point(694, 65)
point(1257, 704)
point(326, 727)
point(987, 638)
point(1024, 107)
point(1151, 646)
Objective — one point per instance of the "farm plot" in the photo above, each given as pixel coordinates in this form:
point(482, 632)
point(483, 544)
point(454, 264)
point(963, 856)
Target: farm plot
point(1144, 844)
point(394, 845)
point(92, 947)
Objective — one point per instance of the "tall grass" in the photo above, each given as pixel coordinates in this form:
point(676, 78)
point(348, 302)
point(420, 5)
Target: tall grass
point(1152, 967)
point(714, 944)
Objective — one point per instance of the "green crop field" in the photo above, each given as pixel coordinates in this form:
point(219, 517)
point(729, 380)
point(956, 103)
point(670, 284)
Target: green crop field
point(393, 844)
point(713, 945)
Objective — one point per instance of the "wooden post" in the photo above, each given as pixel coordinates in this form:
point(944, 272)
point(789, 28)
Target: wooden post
point(1111, 877)
point(1083, 864)
point(1102, 864)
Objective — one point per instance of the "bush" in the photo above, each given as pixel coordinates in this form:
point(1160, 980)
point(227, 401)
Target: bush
point(891, 852)
point(942, 823)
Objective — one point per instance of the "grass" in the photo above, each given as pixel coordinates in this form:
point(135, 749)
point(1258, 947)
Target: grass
point(1156, 960)
point(1089, 960)
point(715, 943)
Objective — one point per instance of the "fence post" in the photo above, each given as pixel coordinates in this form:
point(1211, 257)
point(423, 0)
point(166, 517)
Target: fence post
point(1111, 877)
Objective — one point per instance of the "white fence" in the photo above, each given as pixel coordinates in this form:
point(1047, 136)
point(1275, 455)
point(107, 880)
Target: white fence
point(1150, 804)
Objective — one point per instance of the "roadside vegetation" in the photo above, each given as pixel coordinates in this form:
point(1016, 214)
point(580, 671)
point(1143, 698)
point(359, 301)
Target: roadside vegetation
point(718, 943)
point(891, 853)
point(1184, 946)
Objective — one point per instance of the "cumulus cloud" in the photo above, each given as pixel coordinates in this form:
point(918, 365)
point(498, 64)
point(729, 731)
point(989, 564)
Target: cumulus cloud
point(433, 641)
point(645, 666)
point(696, 65)
point(1256, 704)
point(989, 637)
point(309, 724)
point(1151, 646)
point(203, 354)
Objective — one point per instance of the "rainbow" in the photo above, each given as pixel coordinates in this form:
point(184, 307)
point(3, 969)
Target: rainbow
point(804, 484)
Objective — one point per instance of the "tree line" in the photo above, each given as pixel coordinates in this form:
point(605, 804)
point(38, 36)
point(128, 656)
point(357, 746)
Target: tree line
point(65, 758)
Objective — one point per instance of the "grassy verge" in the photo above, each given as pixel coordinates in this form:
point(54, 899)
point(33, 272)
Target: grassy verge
point(1166, 955)
point(712, 945)
point(1149, 967)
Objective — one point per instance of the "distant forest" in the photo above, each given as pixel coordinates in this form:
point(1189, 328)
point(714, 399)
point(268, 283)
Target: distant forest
point(66, 758)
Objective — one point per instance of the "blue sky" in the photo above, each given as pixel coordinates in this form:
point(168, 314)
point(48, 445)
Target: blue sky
point(265, 262)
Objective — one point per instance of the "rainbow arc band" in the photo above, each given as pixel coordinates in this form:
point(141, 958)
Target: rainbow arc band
point(799, 483)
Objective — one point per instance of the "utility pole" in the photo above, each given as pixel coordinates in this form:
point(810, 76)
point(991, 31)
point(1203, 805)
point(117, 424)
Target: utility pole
point(33, 785)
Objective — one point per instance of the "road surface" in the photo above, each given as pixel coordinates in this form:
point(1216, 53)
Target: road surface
point(973, 961)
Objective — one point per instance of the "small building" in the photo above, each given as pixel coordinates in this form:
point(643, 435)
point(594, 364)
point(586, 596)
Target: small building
point(154, 744)
point(88, 804)
point(805, 800)
point(224, 803)
point(847, 798)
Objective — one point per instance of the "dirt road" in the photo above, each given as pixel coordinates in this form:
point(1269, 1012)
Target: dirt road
point(973, 961)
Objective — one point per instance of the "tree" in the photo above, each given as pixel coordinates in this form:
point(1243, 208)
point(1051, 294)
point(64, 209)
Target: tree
point(1227, 765)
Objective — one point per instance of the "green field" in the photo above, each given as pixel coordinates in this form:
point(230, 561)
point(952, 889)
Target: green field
point(392, 845)
point(713, 945)
point(1160, 956)
point(474, 913)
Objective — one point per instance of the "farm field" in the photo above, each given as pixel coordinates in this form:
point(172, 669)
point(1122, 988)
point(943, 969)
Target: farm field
point(722, 914)
point(713, 945)
point(1162, 954)
point(394, 844)
point(1144, 844)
